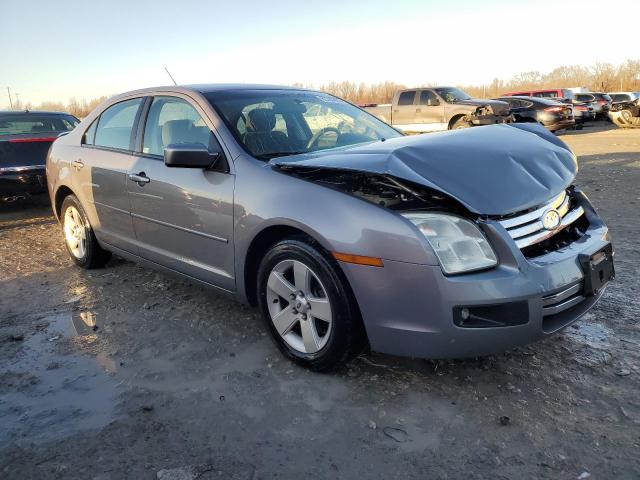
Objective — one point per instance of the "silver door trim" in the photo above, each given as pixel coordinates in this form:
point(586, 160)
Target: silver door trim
point(110, 206)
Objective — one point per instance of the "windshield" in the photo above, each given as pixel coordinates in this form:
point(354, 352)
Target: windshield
point(275, 123)
point(28, 123)
point(452, 94)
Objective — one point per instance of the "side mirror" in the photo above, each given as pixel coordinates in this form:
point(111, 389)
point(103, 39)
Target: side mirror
point(189, 155)
point(433, 102)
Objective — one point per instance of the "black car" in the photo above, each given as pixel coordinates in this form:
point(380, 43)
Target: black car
point(25, 138)
point(550, 113)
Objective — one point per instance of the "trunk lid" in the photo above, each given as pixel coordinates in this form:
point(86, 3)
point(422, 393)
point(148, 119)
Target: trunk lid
point(27, 150)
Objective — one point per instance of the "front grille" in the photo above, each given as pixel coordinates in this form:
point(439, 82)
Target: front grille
point(562, 307)
point(562, 300)
point(528, 228)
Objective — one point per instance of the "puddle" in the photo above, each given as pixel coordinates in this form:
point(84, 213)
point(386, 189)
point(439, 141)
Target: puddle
point(48, 395)
point(591, 342)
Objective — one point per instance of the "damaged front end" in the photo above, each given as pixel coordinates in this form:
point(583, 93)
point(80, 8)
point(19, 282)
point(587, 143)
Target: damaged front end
point(490, 114)
point(384, 190)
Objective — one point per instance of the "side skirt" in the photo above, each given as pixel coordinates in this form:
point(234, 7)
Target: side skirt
point(156, 266)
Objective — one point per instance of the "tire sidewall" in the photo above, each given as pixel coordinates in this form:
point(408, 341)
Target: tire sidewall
point(461, 124)
point(337, 347)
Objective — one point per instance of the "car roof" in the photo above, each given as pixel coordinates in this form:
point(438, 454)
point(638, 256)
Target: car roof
point(546, 101)
point(205, 88)
point(31, 112)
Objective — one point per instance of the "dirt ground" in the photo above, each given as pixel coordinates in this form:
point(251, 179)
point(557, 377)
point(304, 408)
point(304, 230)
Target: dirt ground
point(123, 372)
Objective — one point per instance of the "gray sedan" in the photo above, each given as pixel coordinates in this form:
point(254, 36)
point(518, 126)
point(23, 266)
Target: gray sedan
point(343, 231)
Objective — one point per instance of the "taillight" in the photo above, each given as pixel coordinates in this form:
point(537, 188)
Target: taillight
point(554, 109)
point(32, 140)
point(581, 108)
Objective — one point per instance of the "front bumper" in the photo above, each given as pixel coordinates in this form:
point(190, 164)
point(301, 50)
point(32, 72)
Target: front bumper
point(492, 119)
point(410, 309)
point(22, 180)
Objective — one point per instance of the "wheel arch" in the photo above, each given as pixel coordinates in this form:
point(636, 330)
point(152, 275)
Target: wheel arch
point(260, 244)
point(61, 193)
point(454, 119)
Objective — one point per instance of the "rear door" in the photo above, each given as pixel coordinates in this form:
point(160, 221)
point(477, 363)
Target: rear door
point(183, 217)
point(430, 112)
point(99, 172)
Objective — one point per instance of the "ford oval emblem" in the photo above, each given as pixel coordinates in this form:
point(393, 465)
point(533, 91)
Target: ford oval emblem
point(551, 219)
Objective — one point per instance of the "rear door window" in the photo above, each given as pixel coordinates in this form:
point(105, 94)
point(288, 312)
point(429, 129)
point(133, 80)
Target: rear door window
point(115, 125)
point(90, 135)
point(407, 98)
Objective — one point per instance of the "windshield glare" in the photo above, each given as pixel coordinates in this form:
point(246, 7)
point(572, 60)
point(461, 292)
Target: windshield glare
point(452, 94)
point(274, 123)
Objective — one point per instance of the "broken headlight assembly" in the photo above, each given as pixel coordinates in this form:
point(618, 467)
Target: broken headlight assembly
point(458, 243)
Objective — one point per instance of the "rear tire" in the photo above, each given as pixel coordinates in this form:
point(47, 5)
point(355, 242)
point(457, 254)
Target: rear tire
point(308, 306)
point(80, 240)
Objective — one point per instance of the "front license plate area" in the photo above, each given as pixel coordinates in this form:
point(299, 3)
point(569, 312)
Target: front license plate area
point(598, 269)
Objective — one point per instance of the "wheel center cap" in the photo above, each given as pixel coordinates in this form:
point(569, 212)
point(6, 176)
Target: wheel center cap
point(302, 305)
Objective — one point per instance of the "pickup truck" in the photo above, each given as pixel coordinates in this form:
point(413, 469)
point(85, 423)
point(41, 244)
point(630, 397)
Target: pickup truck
point(439, 108)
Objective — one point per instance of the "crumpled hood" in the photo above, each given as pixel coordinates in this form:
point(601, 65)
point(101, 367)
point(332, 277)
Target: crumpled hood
point(492, 170)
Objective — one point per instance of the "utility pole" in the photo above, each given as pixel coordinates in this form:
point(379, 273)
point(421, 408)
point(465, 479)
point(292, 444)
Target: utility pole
point(10, 101)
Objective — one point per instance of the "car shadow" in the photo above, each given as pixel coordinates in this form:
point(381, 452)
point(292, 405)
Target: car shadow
point(590, 127)
point(34, 210)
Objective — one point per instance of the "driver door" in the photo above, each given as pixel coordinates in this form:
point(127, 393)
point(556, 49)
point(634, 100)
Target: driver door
point(182, 217)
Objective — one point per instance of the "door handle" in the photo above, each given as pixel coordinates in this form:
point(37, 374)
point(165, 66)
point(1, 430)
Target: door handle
point(418, 110)
point(140, 178)
point(77, 164)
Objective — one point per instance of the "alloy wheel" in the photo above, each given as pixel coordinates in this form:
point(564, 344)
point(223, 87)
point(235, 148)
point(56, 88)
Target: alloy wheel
point(75, 232)
point(299, 306)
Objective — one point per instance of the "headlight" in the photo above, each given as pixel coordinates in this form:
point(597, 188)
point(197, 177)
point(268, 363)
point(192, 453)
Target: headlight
point(458, 243)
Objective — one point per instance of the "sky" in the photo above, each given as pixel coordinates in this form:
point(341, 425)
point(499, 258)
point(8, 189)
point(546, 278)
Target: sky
point(85, 49)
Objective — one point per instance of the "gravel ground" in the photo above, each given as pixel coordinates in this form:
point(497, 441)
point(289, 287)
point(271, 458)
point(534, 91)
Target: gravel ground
point(127, 373)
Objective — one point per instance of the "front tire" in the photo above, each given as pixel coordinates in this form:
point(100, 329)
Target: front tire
point(80, 240)
point(461, 123)
point(308, 306)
